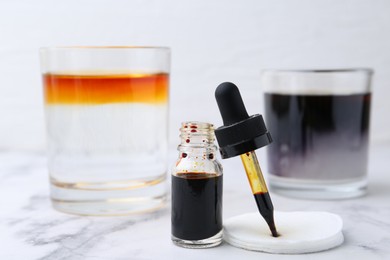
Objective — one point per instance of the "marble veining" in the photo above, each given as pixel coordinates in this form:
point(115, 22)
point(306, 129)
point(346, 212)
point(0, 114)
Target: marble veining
point(31, 229)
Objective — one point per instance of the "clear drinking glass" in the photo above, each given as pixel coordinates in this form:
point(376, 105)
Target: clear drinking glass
point(106, 113)
point(319, 121)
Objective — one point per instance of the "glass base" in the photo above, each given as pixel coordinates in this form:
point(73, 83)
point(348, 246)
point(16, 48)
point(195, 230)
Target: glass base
point(320, 190)
point(204, 243)
point(86, 199)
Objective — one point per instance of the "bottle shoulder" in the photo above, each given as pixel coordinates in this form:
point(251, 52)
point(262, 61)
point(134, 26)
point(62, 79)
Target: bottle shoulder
point(187, 165)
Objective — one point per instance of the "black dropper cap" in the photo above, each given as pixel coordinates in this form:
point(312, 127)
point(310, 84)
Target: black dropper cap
point(240, 133)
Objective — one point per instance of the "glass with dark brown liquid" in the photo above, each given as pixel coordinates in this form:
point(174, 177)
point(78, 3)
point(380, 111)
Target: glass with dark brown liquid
point(320, 147)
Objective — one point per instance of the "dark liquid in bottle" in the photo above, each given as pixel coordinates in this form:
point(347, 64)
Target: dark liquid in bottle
point(318, 137)
point(196, 205)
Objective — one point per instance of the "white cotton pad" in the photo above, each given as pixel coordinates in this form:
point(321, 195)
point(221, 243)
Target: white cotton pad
point(300, 232)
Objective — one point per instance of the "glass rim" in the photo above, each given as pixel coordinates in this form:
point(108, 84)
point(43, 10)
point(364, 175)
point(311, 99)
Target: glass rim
point(324, 71)
point(103, 47)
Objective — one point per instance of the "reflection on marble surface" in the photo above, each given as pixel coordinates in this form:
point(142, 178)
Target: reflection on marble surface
point(31, 229)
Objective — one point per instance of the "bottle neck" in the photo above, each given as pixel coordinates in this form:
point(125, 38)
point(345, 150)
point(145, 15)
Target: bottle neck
point(197, 139)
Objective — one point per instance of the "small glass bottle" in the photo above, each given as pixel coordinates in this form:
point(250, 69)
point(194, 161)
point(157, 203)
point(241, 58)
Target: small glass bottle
point(197, 189)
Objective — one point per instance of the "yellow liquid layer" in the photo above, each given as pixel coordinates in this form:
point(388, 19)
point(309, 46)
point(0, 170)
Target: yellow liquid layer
point(253, 172)
point(101, 89)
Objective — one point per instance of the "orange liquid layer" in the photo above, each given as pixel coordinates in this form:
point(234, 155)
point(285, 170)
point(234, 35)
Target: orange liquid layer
point(101, 89)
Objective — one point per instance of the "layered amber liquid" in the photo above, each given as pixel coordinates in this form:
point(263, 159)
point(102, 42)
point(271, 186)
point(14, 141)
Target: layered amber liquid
point(102, 89)
point(107, 136)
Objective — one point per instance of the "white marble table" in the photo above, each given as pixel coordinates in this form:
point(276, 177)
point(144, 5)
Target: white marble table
point(31, 229)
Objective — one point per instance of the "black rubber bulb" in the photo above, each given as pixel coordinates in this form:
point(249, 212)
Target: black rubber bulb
point(240, 133)
point(230, 103)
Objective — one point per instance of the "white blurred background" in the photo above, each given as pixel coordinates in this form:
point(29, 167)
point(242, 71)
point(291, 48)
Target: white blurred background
point(211, 41)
